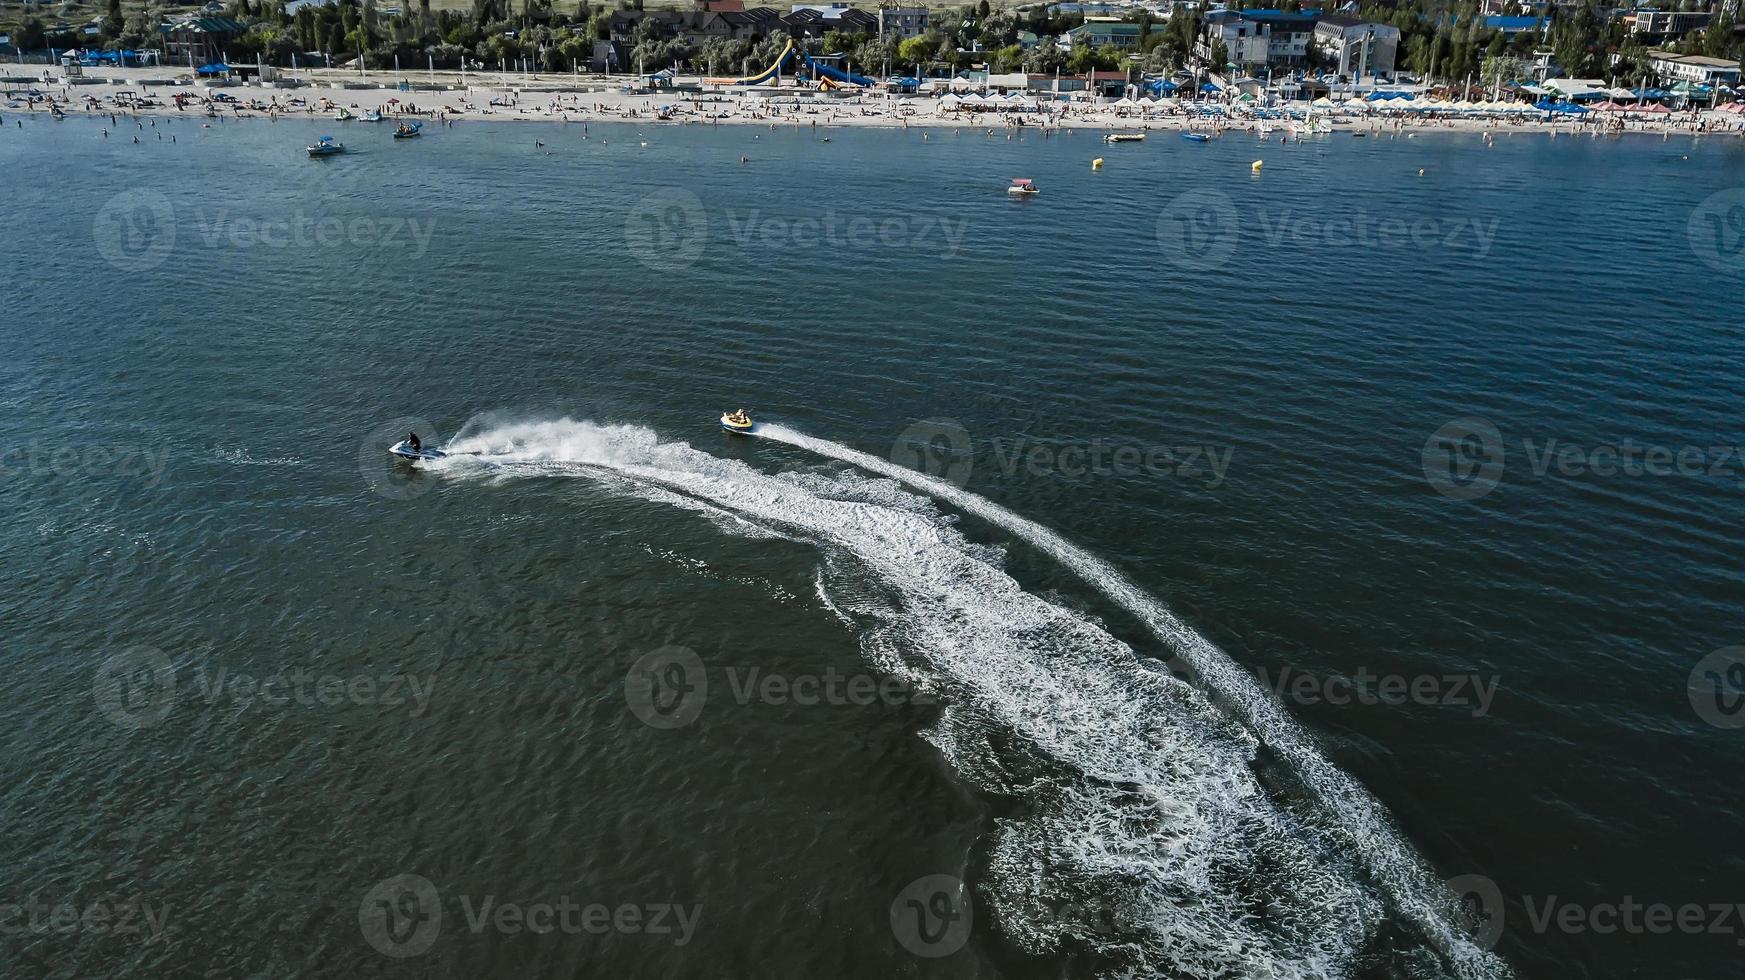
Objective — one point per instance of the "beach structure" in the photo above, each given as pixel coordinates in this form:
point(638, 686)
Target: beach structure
point(1671, 67)
point(1363, 45)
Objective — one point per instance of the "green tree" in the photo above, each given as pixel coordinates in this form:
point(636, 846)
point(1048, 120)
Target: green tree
point(919, 50)
point(30, 35)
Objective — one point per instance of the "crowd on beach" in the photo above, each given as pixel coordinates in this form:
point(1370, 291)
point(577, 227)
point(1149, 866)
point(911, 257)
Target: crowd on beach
point(529, 100)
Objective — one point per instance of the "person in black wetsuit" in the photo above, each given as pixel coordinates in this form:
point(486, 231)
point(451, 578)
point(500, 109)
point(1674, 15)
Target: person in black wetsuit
point(413, 443)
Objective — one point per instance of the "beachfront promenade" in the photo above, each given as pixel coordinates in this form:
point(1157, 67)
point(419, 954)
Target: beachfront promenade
point(448, 97)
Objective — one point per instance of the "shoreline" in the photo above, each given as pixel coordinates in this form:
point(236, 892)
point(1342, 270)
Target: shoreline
point(551, 100)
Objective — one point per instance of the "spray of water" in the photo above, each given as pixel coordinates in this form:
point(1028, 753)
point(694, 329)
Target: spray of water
point(1358, 817)
point(1140, 830)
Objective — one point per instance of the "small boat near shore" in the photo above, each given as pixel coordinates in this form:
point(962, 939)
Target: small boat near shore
point(405, 132)
point(326, 147)
point(1023, 187)
point(1196, 137)
point(371, 116)
point(1124, 138)
point(343, 115)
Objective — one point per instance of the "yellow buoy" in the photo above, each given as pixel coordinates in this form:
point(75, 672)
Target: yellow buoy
point(1097, 164)
point(1255, 166)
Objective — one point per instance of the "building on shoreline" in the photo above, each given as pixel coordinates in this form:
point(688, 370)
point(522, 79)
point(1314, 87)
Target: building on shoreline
point(1359, 45)
point(1255, 40)
point(904, 22)
point(1697, 69)
point(1100, 32)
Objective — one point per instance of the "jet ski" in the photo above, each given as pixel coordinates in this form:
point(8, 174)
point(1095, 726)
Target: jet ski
point(404, 450)
point(737, 422)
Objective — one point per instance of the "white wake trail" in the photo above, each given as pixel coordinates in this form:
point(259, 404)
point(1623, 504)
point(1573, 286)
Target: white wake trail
point(1359, 820)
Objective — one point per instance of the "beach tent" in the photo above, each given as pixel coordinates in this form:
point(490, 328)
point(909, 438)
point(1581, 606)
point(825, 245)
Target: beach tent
point(1209, 87)
point(215, 68)
point(1322, 103)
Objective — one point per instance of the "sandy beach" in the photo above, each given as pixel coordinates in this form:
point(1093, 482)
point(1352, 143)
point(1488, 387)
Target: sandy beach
point(446, 98)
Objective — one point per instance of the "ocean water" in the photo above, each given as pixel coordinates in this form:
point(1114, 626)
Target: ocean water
point(1188, 572)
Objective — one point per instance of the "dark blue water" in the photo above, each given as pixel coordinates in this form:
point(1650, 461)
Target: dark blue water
point(621, 671)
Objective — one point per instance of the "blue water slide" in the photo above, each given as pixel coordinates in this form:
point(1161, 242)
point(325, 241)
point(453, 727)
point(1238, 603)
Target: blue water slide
point(837, 74)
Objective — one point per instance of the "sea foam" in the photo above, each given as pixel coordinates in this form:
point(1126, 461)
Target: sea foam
point(1138, 828)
